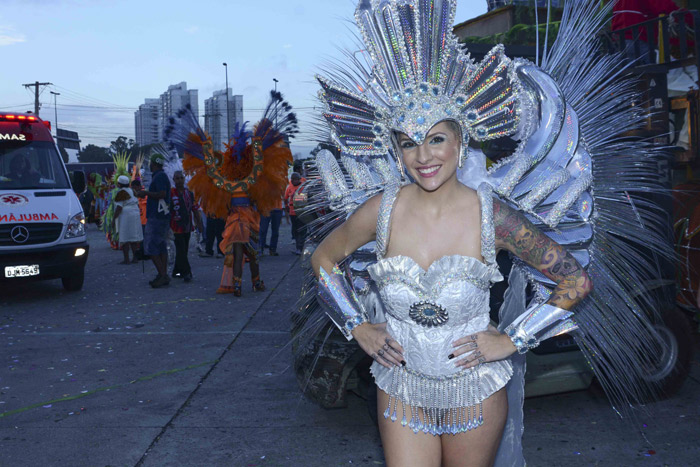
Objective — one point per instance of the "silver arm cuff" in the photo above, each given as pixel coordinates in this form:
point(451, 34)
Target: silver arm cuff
point(340, 301)
point(539, 322)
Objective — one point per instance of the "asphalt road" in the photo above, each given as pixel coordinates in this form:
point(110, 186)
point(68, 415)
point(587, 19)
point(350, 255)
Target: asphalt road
point(120, 374)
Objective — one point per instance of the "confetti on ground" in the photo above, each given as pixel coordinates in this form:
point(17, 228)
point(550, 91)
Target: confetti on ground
point(85, 393)
point(182, 300)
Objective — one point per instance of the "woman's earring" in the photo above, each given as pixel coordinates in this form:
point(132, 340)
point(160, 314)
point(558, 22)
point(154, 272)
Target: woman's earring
point(463, 156)
point(402, 172)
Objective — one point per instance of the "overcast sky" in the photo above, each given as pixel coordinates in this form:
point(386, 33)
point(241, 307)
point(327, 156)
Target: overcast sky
point(106, 56)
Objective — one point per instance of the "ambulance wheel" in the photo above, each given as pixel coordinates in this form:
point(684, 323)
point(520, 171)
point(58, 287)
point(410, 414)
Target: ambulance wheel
point(74, 282)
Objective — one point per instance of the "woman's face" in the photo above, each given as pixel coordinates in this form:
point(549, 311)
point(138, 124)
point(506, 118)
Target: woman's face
point(434, 162)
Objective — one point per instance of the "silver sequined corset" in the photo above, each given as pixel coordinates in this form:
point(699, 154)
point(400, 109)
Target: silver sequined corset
point(427, 310)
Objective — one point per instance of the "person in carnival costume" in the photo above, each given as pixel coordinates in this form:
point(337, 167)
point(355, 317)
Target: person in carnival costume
point(96, 185)
point(568, 205)
point(94, 181)
point(240, 183)
point(121, 168)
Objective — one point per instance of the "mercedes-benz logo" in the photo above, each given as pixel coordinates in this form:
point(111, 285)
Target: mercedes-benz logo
point(19, 234)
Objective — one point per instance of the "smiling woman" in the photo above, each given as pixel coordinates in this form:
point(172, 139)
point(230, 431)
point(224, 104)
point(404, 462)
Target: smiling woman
point(408, 265)
point(441, 340)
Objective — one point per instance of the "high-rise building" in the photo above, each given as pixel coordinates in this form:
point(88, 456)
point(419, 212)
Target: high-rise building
point(154, 114)
point(146, 120)
point(215, 116)
point(171, 101)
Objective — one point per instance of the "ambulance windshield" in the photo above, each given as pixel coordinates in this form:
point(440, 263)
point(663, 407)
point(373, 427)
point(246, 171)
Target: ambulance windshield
point(29, 165)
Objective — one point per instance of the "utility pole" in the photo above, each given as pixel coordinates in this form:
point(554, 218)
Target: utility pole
point(36, 85)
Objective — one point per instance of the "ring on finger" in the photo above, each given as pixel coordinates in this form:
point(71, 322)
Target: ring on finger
point(374, 356)
point(477, 353)
point(481, 360)
point(387, 340)
point(386, 346)
point(381, 352)
point(474, 345)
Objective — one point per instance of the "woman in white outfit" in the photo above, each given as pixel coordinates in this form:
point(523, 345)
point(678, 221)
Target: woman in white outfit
point(127, 219)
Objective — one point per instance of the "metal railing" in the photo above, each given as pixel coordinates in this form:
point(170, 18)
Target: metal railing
point(676, 32)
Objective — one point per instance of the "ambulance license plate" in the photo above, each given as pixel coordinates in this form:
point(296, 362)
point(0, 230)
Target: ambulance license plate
point(22, 271)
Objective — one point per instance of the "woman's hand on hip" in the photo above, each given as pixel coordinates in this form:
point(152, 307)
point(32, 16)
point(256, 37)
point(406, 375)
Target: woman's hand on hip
point(378, 344)
point(482, 347)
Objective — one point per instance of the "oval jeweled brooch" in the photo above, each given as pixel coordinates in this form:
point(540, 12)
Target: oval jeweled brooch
point(428, 314)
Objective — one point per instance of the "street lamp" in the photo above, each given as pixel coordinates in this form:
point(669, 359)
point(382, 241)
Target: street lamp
point(228, 120)
point(55, 112)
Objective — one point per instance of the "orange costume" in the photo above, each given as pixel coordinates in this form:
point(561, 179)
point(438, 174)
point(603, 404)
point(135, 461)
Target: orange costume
point(240, 183)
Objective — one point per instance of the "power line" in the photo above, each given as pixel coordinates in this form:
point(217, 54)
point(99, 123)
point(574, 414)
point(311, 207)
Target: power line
point(83, 96)
point(16, 106)
point(133, 109)
point(36, 85)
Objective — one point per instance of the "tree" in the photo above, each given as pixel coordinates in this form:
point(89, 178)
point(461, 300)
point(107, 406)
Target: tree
point(121, 144)
point(92, 153)
point(145, 150)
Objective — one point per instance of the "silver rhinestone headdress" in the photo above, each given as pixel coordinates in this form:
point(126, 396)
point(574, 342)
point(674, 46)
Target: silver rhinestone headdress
point(419, 76)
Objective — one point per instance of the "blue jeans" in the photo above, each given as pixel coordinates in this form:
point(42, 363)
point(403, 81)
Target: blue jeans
point(154, 238)
point(275, 218)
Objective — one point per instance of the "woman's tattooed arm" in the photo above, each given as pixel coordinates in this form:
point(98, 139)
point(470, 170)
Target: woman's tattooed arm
point(515, 233)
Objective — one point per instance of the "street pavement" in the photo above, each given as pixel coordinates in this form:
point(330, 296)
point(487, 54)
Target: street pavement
point(120, 374)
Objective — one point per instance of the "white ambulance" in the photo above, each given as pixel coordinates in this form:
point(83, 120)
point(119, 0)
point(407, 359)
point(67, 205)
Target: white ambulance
point(42, 226)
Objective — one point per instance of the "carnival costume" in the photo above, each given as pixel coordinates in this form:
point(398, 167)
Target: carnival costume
point(97, 187)
point(240, 183)
point(572, 174)
point(121, 167)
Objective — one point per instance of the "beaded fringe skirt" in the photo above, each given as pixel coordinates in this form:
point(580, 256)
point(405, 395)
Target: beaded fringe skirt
point(440, 405)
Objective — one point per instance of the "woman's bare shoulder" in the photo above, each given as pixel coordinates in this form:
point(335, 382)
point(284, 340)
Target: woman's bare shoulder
point(468, 198)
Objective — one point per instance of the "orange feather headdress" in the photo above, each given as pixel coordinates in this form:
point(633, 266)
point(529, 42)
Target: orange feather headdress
point(254, 163)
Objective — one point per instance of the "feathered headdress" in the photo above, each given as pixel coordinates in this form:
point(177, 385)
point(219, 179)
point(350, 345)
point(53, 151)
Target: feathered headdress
point(254, 163)
point(416, 75)
point(121, 165)
point(136, 169)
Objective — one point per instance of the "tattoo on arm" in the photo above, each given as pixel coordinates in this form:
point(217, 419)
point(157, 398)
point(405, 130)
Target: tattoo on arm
point(518, 235)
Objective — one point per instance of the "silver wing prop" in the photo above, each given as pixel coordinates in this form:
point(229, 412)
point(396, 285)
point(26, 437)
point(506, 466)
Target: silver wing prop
point(581, 181)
